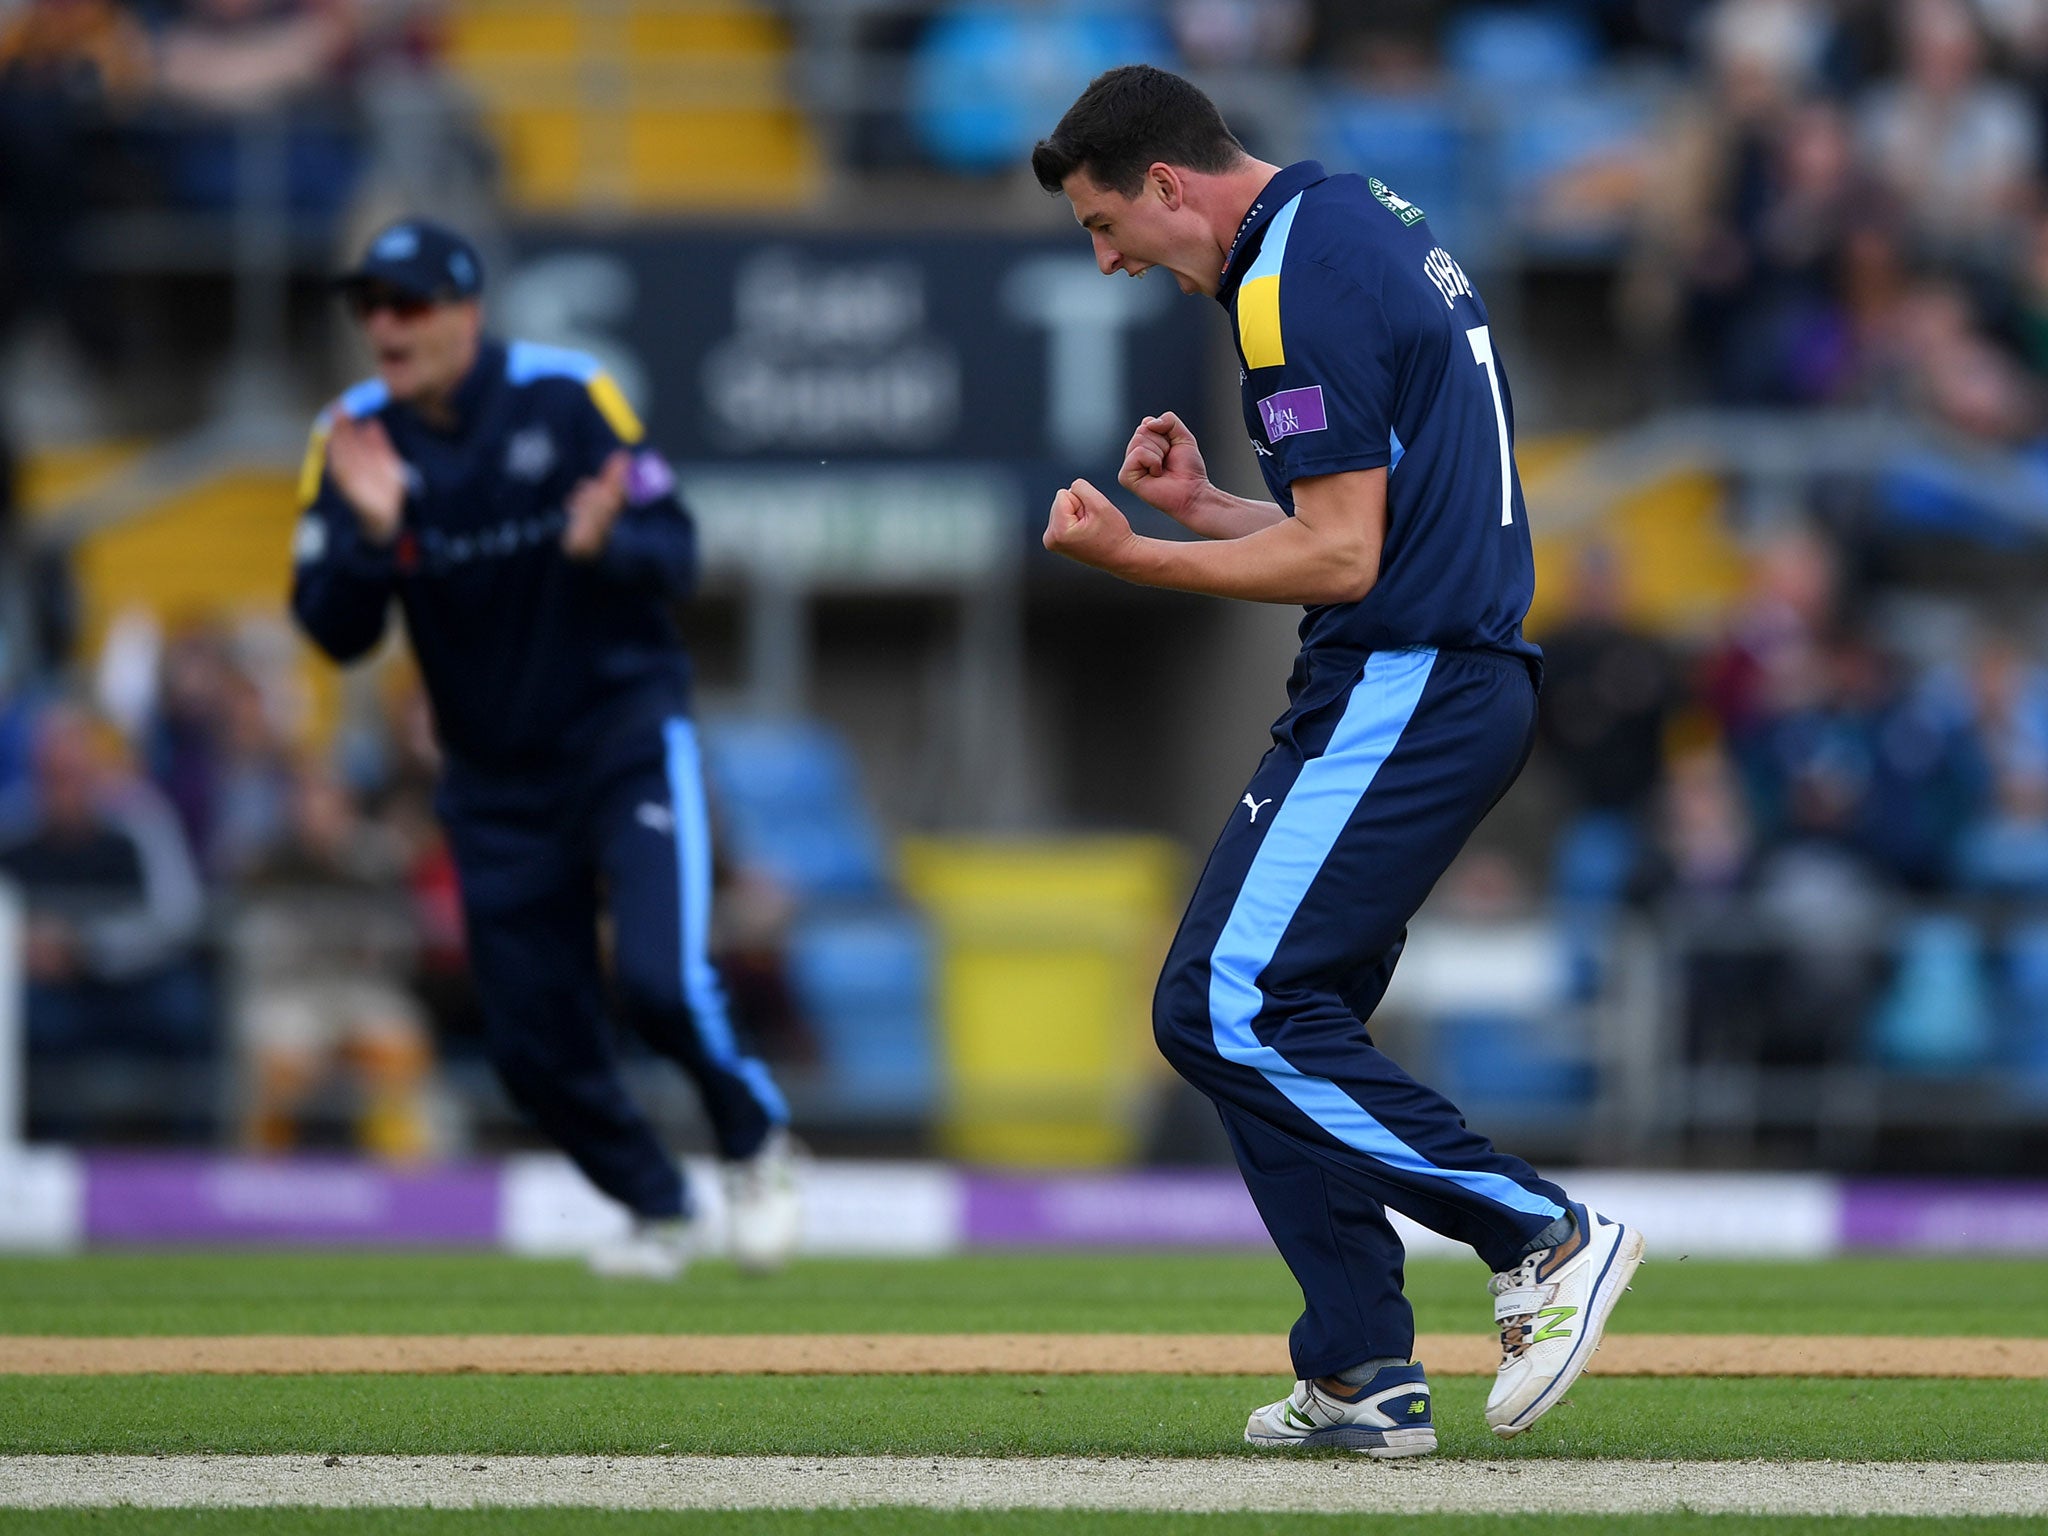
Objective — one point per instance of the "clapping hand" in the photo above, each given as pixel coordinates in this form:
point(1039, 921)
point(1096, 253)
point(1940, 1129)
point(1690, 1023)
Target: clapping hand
point(369, 474)
point(594, 506)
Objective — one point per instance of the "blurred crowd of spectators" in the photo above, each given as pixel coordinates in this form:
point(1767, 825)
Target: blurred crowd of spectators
point(199, 893)
point(1783, 796)
point(1808, 201)
point(1847, 208)
point(124, 104)
point(230, 935)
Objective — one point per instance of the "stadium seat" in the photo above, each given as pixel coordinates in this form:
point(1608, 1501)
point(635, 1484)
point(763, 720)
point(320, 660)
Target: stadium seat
point(645, 107)
point(787, 799)
point(987, 79)
point(1509, 1067)
point(1936, 1017)
point(1418, 146)
point(1502, 49)
point(2026, 1007)
point(864, 982)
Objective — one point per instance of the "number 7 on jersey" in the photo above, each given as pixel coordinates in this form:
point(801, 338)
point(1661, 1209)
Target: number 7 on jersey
point(1482, 354)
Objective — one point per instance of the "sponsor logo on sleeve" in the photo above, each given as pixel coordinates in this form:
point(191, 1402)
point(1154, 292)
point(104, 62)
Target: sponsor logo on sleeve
point(1293, 411)
point(1394, 203)
point(649, 479)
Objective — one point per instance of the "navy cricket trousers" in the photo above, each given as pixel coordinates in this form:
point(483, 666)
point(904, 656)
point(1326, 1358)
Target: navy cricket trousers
point(621, 827)
point(1379, 772)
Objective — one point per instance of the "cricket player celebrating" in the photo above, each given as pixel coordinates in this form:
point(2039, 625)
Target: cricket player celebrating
point(503, 496)
point(1384, 428)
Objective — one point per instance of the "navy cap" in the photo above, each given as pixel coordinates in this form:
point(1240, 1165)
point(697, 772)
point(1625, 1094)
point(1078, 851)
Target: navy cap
point(419, 257)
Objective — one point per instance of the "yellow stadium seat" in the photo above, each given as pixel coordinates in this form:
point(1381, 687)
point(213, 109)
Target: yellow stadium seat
point(638, 108)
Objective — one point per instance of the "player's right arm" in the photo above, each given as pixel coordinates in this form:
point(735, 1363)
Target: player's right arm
point(342, 565)
point(1163, 467)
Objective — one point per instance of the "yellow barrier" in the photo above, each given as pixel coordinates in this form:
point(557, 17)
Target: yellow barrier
point(1048, 954)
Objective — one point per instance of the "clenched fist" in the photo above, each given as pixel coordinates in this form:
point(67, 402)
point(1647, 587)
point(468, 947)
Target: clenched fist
point(1163, 466)
point(1085, 525)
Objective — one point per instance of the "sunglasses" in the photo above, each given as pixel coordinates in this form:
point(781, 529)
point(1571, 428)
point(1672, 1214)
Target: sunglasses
point(365, 302)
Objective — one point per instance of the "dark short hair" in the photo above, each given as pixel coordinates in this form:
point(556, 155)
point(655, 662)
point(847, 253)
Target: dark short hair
point(1129, 119)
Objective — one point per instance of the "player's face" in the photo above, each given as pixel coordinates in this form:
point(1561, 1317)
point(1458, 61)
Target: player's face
point(1154, 229)
point(422, 351)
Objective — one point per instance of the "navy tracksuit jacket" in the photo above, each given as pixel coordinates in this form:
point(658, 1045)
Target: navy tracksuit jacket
point(561, 697)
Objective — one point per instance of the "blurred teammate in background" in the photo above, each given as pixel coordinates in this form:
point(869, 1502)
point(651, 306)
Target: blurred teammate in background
point(502, 494)
point(1382, 424)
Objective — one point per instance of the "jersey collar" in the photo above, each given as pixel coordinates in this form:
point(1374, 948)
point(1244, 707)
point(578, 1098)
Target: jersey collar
point(487, 370)
point(470, 395)
point(1286, 181)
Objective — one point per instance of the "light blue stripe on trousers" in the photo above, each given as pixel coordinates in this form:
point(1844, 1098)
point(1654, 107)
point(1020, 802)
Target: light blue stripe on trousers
point(1305, 829)
point(702, 989)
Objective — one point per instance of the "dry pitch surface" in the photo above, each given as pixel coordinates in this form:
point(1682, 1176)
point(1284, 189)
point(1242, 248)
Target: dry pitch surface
point(973, 1354)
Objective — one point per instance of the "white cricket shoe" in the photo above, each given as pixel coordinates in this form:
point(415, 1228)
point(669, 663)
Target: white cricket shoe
point(1389, 1417)
point(1552, 1309)
point(764, 1209)
point(653, 1250)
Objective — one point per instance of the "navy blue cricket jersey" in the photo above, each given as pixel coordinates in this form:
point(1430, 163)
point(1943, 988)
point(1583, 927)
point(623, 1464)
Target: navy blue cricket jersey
point(518, 644)
point(1361, 344)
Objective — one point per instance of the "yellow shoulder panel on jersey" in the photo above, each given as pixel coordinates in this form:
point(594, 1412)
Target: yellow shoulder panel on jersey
point(1259, 334)
point(1258, 322)
point(611, 404)
point(314, 463)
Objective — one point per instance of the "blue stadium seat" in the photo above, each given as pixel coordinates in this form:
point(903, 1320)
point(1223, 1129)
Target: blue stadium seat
point(2026, 1003)
point(1936, 1017)
point(1417, 146)
point(1510, 1067)
point(1513, 49)
point(864, 982)
point(989, 79)
point(787, 799)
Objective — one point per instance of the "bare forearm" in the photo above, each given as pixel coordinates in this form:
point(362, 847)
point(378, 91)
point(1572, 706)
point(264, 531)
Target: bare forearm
point(1281, 562)
point(1219, 515)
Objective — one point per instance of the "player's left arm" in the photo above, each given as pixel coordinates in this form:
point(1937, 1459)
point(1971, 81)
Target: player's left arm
point(1328, 552)
point(626, 520)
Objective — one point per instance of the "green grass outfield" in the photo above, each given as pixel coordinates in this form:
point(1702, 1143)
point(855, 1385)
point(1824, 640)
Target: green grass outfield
point(211, 1293)
point(199, 1293)
point(1613, 1418)
point(1676, 1419)
point(924, 1522)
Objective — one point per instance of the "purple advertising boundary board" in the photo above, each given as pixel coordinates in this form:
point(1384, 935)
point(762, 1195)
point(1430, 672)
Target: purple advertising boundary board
point(1915, 1216)
point(1183, 1208)
point(143, 1199)
point(160, 1199)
